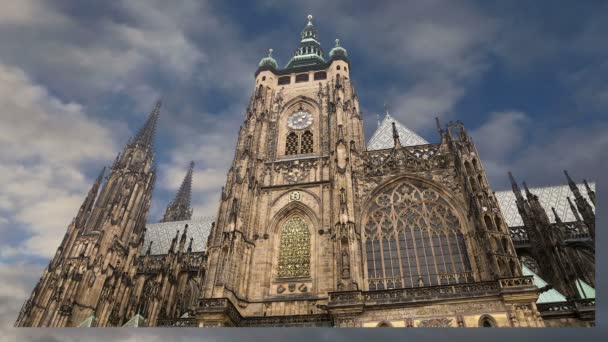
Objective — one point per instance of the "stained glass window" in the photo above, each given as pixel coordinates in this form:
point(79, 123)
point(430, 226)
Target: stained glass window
point(294, 252)
point(413, 238)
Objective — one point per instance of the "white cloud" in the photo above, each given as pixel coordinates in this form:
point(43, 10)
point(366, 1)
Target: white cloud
point(46, 146)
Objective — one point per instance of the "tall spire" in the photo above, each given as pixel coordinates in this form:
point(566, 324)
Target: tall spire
point(179, 209)
point(145, 136)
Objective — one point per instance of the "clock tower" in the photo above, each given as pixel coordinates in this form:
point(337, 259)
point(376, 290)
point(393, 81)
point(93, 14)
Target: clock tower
point(285, 235)
point(316, 229)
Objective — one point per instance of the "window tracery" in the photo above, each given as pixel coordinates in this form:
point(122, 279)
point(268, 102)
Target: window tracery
point(306, 143)
point(413, 238)
point(299, 143)
point(294, 249)
point(291, 144)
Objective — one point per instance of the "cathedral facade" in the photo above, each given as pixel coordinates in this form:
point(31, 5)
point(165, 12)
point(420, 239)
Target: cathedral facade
point(317, 228)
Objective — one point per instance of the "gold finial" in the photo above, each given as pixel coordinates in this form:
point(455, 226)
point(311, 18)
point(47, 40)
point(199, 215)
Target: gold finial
point(309, 18)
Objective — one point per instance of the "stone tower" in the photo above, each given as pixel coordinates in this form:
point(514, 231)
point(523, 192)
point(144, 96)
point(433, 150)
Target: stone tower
point(90, 277)
point(314, 228)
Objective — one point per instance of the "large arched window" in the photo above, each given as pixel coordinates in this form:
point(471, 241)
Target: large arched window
point(413, 238)
point(294, 249)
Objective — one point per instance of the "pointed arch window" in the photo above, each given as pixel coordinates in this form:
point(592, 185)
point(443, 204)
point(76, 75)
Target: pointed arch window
point(306, 143)
point(291, 144)
point(299, 143)
point(413, 238)
point(294, 249)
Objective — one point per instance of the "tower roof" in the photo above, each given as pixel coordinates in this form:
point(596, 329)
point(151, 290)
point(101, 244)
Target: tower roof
point(269, 61)
point(310, 51)
point(179, 209)
point(145, 136)
point(338, 50)
point(383, 136)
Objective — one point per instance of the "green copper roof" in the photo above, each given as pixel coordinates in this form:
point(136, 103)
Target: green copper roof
point(135, 322)
point(338, 50)
point(88, 323)
point(585, 290)
point(310, 51)
point(269, 61)
point(550, 296)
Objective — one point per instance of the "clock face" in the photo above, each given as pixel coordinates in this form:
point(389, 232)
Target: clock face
point(299, 120)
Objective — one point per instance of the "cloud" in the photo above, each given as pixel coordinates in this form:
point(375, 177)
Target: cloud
point(47, 144)
point(511, 141)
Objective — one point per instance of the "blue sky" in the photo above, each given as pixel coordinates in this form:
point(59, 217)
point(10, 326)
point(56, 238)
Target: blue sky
point(529, 80)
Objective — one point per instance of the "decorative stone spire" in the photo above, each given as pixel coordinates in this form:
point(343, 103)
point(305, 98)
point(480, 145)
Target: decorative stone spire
point(577, 216)
point(179, 209)
point(583, 206)
point(396, 136)
point(145, 136)
point(590, 191)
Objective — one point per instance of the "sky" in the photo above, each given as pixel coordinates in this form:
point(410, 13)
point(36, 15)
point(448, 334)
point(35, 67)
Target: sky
point(78, 78)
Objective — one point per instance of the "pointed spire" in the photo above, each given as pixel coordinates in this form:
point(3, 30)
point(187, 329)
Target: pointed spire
point(377, 118)
point(516, 190)
point(396, 135)
point(149, 248)
point(590, 191)
point(179, 209)
point(577, 216)
point(572, 185)
point(528, 193)
point(557, 218)
point(190, 245)
point(439, 129)
point(145, 136)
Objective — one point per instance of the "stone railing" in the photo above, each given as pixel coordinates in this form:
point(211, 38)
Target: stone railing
point(177, 322)
point(429, 293)
point(517, 282)
point(322, 320)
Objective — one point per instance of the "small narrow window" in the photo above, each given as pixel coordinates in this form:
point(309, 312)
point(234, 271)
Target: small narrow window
point(321, 75)
point(345, 69)
point(307, 143)
point(338, 67)
point(291, 145)
point(284, 80)
point(301, 78)
point(263, 78)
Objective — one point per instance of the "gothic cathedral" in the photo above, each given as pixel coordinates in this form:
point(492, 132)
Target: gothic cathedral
point(317, 228)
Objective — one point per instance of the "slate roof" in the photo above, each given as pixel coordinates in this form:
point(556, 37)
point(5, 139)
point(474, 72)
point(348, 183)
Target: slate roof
point(383, 136)
point(549, 196)
point(162, 233)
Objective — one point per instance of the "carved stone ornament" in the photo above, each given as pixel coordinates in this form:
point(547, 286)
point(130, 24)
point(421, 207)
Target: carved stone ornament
point(295, 196)
point(435, 323)
point(296, 170)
